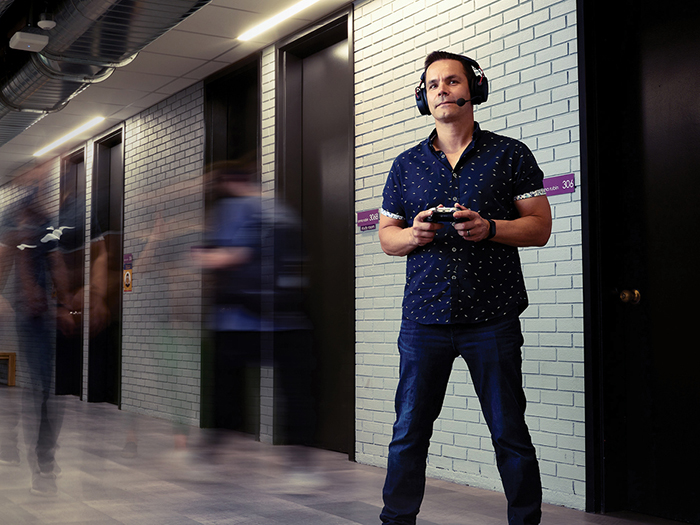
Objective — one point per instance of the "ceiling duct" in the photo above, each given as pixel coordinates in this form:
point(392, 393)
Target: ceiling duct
point(4, 4)
point(90, 40)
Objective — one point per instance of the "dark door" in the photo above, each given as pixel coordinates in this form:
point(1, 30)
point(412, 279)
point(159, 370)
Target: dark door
point(71, 221)
point(232, 114)
point(317, 179)
point(642, 128)
point(106, 264)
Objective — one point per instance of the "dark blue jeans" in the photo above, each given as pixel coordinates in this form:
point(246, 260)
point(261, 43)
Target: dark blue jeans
point(42, 410)
point(492, 351)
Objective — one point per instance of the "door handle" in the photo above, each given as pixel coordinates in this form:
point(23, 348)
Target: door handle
point(630, 296)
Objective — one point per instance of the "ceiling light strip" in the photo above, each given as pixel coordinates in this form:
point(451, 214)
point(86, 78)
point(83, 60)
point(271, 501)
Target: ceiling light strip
point(272, 22)
point(69, 136)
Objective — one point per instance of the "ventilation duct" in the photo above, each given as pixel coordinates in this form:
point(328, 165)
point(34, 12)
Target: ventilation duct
point(4, 4)
point(90, 40)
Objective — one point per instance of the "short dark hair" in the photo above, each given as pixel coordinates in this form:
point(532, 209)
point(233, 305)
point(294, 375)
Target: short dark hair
point(446, 55)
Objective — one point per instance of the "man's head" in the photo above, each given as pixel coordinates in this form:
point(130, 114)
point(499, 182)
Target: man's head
point(446, 55)
point(476, 81)
point(447, 91)
point(234, 177)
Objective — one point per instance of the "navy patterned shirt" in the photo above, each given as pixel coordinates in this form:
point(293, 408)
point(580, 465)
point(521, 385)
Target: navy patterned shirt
point(451, 280)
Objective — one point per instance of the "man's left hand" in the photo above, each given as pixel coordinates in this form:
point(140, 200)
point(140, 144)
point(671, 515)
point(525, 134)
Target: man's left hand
point(474, 227)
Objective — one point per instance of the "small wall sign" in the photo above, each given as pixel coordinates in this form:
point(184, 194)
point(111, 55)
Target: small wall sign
point(560, 184)
point(368, 220)
point(128, 277)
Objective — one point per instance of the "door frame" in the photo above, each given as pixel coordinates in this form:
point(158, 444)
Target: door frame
point(110, 141)
point(599, 492)
point(74, 158)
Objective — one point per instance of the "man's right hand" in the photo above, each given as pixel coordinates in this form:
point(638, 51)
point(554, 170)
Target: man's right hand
point(398, 239)
point(423, 232)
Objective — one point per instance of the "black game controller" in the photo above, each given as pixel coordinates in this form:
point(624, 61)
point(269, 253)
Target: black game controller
point(443, 215)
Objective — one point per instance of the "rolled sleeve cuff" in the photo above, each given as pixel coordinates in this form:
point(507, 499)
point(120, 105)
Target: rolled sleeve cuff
point(391, 215)
point(530, 194)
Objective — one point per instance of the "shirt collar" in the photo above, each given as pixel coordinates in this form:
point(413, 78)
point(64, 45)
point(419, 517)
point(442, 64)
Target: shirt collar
point(475, 136)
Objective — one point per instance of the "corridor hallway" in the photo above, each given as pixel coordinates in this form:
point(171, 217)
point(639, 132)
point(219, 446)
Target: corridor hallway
point(252, 482)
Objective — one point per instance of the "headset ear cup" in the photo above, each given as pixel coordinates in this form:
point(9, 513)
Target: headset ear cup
point(421, 101)
point(422, 97)
point(480, 90)
point(479, 86)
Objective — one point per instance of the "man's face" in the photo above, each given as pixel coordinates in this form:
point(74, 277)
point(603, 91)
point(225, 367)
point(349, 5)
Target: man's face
point(445, 83)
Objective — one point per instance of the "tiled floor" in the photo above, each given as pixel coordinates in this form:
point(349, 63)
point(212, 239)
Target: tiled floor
point(252, 483)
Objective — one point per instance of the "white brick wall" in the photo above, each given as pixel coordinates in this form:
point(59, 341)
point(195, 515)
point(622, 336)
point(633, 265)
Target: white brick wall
point(163, 205)
point(267, 83)
point(528, 51)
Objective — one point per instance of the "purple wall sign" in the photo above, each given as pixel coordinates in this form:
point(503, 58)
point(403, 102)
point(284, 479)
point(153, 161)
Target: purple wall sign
point(560, 184)
point(368, 220)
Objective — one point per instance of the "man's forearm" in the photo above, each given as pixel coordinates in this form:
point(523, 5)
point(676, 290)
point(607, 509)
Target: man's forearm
point(524, 231)
point(396, 240)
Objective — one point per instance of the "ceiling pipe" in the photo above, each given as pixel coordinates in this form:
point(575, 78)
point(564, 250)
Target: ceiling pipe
point(91, 39)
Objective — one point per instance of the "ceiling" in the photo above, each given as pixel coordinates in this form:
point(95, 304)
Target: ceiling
point(197, 47)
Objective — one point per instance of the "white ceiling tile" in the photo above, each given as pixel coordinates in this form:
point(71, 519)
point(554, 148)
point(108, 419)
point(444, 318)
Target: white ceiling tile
point(148, 100)
point(223, 22)
point(209, 68)
point(160, 64)
point(99, 93)
point(137, 81)
point(175, 86)
point(191, 45)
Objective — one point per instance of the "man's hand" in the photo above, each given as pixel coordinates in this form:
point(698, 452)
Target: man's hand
point(532, 228)
point(474, 228)
point(397, 239)
point(221, 258)
point(423, 232)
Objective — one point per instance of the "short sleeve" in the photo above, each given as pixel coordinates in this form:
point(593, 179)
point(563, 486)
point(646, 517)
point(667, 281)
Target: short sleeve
point(392, 206)
point(528, 175)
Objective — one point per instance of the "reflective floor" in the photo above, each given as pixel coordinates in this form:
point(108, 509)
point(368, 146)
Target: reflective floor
point(246, 482)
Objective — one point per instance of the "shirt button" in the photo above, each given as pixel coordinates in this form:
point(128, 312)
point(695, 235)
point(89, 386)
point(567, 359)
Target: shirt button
point(455, 198)
point(454, 277)
point(454, 249)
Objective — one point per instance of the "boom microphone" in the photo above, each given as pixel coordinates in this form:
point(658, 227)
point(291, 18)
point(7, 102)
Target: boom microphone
point(460, 102)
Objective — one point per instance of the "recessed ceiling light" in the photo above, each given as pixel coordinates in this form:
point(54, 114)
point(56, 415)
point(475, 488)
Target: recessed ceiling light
point(272, 22)
point(46, 21)
point(69, 136)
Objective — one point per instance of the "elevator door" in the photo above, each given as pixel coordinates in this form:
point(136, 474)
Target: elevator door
point(106, 263)
point(317, 179)
point(71, 216)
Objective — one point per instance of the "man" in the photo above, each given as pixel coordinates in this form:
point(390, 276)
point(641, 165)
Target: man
point(255, 252)
point(464, 284)
point(29, 253)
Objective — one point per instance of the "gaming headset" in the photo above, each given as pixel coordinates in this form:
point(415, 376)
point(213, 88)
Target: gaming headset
point(478, 87)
